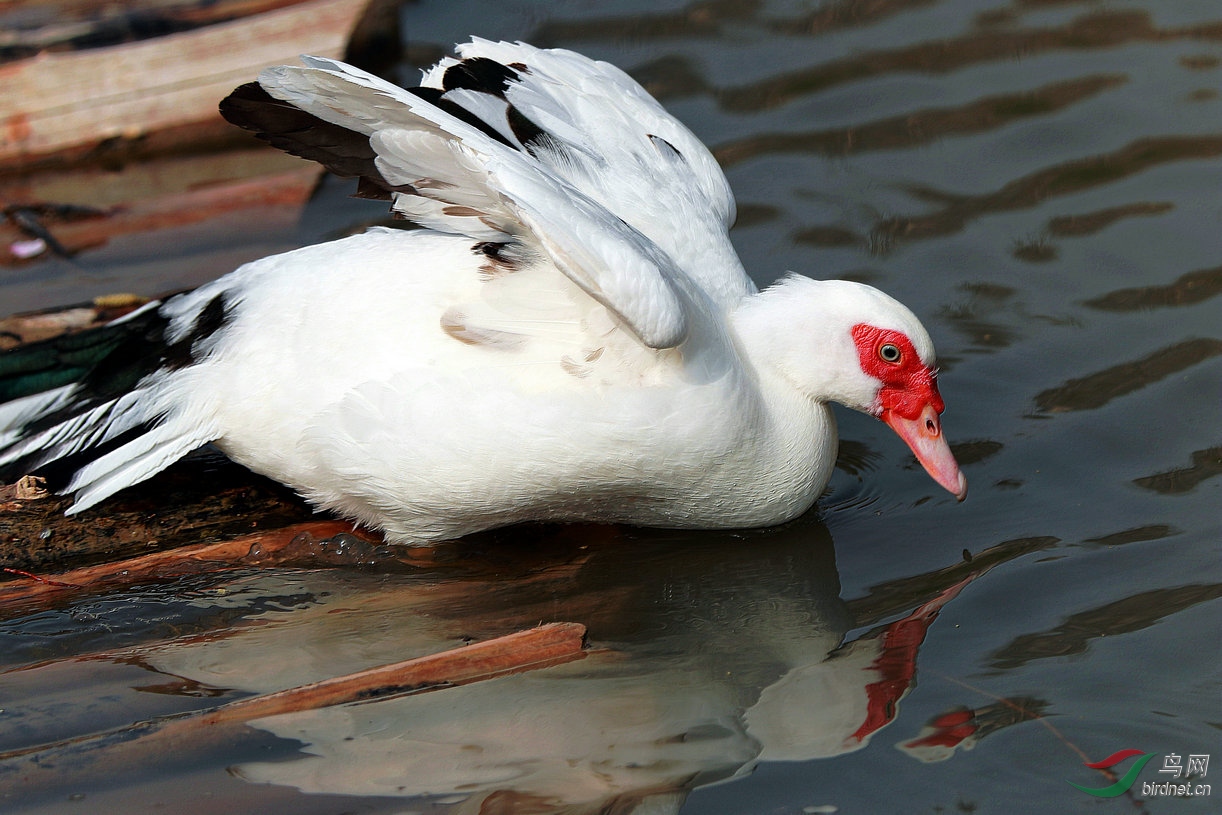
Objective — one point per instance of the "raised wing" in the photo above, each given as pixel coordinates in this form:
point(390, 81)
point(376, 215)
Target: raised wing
point(592, 125)
point(564, 154)
point(447, 172)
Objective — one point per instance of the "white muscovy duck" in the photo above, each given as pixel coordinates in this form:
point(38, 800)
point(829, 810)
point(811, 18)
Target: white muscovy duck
point(569, 335)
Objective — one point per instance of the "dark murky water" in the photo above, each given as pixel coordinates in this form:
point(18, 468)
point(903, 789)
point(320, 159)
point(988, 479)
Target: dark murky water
point(1038, 179)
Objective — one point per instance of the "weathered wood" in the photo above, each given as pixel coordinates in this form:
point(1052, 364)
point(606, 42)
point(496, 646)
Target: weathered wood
point(198, 500)
point(245, 550)
point(290, 188)
point(53, 102)
point(30, 26)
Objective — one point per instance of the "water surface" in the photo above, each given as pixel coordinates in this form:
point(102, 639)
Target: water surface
point(1039, 181)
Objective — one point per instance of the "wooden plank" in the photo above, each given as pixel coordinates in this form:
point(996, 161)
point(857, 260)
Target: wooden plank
point(54, 101)
point(286, 189)
point(31, 26)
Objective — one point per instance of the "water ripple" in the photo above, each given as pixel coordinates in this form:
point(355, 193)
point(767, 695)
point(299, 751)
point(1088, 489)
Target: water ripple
point(1066, 178)
point(1096, 30)
point(922, 126)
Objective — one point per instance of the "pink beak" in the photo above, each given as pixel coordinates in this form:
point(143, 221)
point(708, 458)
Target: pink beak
point(924, 435)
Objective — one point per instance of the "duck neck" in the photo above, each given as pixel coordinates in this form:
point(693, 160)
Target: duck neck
point(796, 432)
point(796, 331)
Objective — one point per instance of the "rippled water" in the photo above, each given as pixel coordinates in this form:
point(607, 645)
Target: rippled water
point(1040, 181)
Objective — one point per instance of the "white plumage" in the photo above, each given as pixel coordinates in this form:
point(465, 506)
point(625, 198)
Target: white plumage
point(569, 335)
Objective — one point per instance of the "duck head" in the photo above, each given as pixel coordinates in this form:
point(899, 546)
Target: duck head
point(846, 342)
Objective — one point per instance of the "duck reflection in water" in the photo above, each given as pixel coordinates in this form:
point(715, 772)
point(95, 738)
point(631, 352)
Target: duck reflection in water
point(709, 658)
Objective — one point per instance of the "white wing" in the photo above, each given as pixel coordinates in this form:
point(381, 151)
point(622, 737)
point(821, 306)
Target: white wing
point(635, 220)
point(599, 130)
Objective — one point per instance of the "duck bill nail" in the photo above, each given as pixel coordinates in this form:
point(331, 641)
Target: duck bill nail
point(923, 435)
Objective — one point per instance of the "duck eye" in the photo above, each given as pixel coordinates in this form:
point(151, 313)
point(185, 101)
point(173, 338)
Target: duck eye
point(889, 352)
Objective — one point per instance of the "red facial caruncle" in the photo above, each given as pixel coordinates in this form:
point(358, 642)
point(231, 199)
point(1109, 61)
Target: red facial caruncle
point(908, 400)
point(889, 356)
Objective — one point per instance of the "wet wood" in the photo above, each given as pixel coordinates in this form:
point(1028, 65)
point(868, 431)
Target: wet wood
point(245, 550)
point(27, 488)
point(200, 500)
